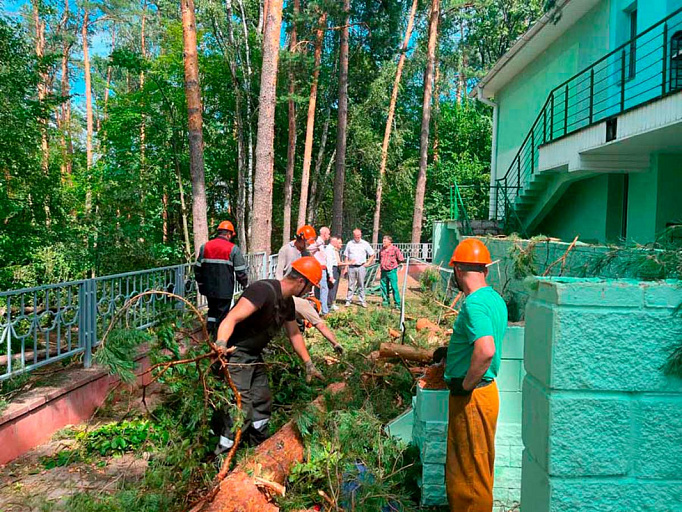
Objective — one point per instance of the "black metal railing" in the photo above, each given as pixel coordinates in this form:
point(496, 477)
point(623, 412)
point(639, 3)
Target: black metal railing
point(643, 69)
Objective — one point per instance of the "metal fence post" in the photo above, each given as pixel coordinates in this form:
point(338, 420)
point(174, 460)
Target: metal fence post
point(179, 285)
point(266, 264)
point(664, 74)
point(87, 320)
point(622, 81)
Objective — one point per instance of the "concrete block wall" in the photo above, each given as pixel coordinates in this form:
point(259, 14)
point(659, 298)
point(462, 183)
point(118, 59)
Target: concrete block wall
point(430, 421)
point(602, 423)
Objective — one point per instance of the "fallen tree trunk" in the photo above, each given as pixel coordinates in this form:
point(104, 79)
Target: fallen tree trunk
point(391, 350)
point(242, 490)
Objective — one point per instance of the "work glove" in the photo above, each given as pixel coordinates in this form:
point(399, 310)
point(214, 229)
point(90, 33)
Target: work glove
point(338, 349)
point(312, 372)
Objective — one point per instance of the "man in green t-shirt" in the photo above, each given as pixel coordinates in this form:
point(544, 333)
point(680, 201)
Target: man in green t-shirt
point(473, 361)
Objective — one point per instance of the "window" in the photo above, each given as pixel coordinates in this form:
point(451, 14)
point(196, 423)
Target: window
point(632, 67)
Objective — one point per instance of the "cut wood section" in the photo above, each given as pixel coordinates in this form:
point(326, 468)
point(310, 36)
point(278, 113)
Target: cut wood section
point(243, 490)
point(390, 350)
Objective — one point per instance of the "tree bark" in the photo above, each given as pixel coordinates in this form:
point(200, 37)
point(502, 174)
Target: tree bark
point(389, 122)
point(291, 147)
point(340, 177)
point(249, 110)
point(194, 121)
point(143, 48)
point(262, 197)
point(88, 108)
point(436, 108)
point(391, 350)
point(65, 118)
point(310, 125)
point(426, 120)
point(239, 120)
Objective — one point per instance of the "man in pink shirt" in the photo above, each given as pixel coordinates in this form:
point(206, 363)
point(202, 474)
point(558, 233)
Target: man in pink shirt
point(389, 258)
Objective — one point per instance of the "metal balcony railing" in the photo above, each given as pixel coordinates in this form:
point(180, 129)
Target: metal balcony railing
point(641, 70)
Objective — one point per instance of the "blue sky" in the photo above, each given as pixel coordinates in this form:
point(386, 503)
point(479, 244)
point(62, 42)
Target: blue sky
point(99, 45)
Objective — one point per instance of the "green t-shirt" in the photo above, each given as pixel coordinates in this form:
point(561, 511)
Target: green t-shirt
point(484, 313)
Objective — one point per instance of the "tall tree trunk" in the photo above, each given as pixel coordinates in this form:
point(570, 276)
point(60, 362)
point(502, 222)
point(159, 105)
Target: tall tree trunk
point(340, 177)
point(262, 198)
point(42, 83)
point(436, 108)
point(316, 184)
point(249, 121)
point(65, 118)
point(291, 147)
point(143, 48)
point(164, 216)
point(426, 120)
point(239, 121)
point(389, 122)
point(194, 121)
point(108, 84)
point(310, 125)
point(88, 108)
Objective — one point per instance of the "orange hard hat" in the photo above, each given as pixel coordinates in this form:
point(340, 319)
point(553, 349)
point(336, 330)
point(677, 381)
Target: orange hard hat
point(226, 225)
point(309, 268)
point(315, 302)
point(306, 233)
point(472, 252)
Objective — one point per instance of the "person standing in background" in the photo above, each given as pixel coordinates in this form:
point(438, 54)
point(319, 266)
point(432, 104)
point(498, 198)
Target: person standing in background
point(318, 251)
point(358, 255)
point(389, 258)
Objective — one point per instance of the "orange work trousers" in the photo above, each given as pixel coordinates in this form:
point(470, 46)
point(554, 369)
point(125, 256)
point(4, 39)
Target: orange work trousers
point(469, 469)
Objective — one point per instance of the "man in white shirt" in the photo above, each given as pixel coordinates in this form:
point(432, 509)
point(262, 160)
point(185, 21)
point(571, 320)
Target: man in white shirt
point(333, 270)
point(318, 251)
point(359, 255)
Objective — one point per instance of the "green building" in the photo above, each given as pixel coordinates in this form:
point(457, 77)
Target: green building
point(587, 125)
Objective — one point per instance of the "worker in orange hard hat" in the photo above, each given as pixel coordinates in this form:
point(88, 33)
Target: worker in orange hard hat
point(308, 310)
point(297, 248)
point(473, 360)
point(264, 307)
point(218, 263)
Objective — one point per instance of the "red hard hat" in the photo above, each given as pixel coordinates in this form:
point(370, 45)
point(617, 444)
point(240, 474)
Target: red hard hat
point(226, 225)
point(471, 251)
point(306, 233)
point(309, 268)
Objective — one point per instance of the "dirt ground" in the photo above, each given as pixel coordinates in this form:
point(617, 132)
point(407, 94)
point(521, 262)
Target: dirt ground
point(26, 484)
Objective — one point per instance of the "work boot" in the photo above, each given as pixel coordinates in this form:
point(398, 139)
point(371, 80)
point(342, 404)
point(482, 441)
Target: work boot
point(224, 444)
point(347, 303)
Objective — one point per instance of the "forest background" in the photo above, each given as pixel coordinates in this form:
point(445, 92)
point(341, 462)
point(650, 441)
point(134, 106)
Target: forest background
point(123, 141)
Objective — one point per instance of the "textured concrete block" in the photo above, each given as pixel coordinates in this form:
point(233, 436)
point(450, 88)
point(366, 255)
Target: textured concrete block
point(509, 478)
point(433, 495)
point(589, 436)
point(510, 406)
point(432, 404)
point(659, 443)
point(501, 495)
point(614, 350)
point(539, 339)
point(433, 474)
point(433, 452)
point(508, 434)
point(502, 456)
point(436, 429)
point(569, 291)
point(514, 497)
point(515, 456)
point(536, 421)
point(512, 346)
point(612, 496)
point(509, 377)
point(535, 490)
point(662, 295)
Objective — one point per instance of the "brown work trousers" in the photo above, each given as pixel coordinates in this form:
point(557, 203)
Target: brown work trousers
point(469, 469)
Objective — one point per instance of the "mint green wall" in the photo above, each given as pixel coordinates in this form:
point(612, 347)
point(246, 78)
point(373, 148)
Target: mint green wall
point(521, 99)
point(582, 211)
point(445, 238)
point(601, 421)
point(669, 191)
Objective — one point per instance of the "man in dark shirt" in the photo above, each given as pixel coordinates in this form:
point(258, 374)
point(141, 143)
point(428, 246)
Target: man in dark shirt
point(218, 263)
point(261, 311)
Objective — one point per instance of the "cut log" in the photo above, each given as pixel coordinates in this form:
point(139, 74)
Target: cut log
point(390, 350)
point(426, 324)
point(272, 462)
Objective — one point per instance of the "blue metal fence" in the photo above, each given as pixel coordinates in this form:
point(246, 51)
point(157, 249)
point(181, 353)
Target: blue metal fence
point(43, 325)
